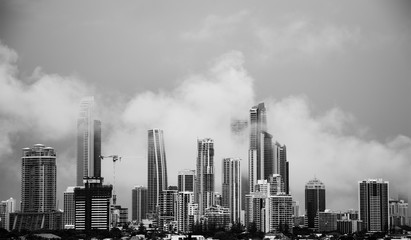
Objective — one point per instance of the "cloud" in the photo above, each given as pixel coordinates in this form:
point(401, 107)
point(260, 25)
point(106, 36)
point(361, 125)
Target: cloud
point(327, 146)
point(40, 109)
point(216, 27)
point(299, 39)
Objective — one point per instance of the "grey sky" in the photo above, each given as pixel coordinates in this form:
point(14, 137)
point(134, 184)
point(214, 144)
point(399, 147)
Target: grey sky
point(339, 71)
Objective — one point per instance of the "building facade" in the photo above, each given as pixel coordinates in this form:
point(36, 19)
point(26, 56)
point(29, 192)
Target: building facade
point(139, 203)
point(186, 211)
point(157, 169)
point(373, 204)
point(314, 202)
point(231, 197)
point(205, 174)
point(167, 210)
point(281, 165)
point(258, 125)
point(88, 142)
point(92, 205)
point(398, 213)
point(6, 208)
point(186, 180)
point(69, 215)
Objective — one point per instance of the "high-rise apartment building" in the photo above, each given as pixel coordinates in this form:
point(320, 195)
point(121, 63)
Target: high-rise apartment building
point(231, 197)
point(281, 165)
point(157, 168)
point(139, 204)
point(205, 174)
point(38, 190)
point(6, 207)
point(373, 204)
point(92, 204)
point(258, 125)
point(186, 180)
point(398, 213)
point(186, 211)
point(314, 202)
point(69, 215)
point(167, 209)
point(88, 142)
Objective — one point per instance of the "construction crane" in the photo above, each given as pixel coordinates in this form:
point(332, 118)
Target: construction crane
point(115, 159)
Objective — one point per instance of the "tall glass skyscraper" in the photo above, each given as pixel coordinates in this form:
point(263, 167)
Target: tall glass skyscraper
point(232, 187)
point(205, 174)
point(186, 180)
point(281, 165)
point(373, 204)
point(139, 203)
point(88, 142)
point(314, 202)
point(157, 168)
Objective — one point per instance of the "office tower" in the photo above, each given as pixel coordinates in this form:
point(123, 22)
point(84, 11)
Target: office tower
point(258, 134)
point(139, 204)
point(398, 213)
point(186, 211)
point(186, 180)
point(157, 168)
point(88, 142)
point(281, 165)
point(69, 215)
point(314, 202)
point(92, 204)
point(6, 208)
point(38, 190)
point(231, 197)
point(205, 174)
point(373, 204)
point(167, 209)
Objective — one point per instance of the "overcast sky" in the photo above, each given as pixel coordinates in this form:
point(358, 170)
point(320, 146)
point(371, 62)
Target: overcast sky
point(335, 77)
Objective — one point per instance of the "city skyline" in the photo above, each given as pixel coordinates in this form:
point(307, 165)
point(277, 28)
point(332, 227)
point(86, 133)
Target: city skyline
point(334, 81)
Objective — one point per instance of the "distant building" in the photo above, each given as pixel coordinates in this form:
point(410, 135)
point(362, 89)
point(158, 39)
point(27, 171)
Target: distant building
point(281, 165)
point(398, 213)
point(38, 190)
point(231, 197)
point(92, 204)
point(217, 217)
point(6, 208)
point(314, 202)
point(88, 141)
point(373, 204)
point(205, 174)
point(167, 210)
point(69, 215)
point(186, 211)
point(186, 180)
point(347, 226)
point(139, 203)
point(119, 216)
point(327, 221)
point(157, 169)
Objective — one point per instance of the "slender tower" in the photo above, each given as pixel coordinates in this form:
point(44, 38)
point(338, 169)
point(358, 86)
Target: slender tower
point(88, 142)
point(232, 187)
point(157, 169)
point(205, 174)
point(258, 122)
point(281, 165)
point(139, 203)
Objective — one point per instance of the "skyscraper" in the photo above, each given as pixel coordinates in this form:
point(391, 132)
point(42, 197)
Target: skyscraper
point(6, 207)
point(157, 168)
point(258, 124)
point(232, 187)
point(281, 165)
point(167, 209)
point(373, 204)
point(88, 142)
point(139, 203)
point(205, 174)
point(185, 211)
point(38, 190)
point(186, 180)
point(314, 202)
point(69, 215)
